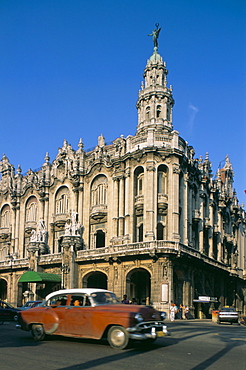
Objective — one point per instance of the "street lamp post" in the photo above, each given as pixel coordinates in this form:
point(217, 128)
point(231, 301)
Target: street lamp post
point(65, 270)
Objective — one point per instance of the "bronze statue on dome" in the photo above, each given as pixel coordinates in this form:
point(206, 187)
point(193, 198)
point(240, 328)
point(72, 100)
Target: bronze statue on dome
point(155, 35)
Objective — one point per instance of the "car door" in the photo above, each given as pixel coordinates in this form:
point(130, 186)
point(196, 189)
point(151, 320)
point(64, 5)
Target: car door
point(57, 307)
point(78, 316)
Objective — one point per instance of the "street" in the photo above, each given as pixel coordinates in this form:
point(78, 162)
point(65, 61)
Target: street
point(192, 345)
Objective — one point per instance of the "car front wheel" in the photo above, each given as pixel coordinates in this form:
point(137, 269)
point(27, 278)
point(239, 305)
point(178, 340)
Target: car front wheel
point(118, 337)
point(38, 332)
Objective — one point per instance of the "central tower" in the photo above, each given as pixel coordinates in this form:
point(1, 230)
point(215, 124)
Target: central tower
point(155, 100)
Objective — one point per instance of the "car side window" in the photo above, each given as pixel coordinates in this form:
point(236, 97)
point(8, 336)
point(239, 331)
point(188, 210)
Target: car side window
point(77, 300)
point(60, 300)
point(80, 300)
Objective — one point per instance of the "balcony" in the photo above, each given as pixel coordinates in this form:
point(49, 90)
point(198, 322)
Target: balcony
point(60, 219)
point(150, 249)
point(98, 212)
point(162, 204)
point(5, 233)
point(46, 259)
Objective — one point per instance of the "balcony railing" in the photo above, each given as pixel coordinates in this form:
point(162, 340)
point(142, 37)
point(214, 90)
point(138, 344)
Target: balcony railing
point(152, 249)
point(16, 262)
point(50, 258)
point(132, 248)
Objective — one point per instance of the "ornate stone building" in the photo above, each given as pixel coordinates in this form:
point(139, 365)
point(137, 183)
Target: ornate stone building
point(140, 216)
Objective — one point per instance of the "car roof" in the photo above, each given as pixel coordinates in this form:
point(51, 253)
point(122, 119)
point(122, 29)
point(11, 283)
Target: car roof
point(76, 290)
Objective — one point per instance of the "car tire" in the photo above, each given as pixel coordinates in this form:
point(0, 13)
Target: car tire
point(118, 337)
point(15, 318)
point(38, 332)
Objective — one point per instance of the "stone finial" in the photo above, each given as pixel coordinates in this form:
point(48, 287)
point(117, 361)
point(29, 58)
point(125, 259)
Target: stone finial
point(101, 141)
point(81, 144)
point(47, 157)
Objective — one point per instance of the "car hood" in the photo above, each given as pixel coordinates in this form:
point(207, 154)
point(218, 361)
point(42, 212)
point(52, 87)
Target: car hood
point(147, 312)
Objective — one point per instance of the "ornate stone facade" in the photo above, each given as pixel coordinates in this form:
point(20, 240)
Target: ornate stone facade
point(140, 216)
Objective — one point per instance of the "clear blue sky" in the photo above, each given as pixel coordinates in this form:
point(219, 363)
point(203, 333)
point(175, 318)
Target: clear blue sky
point(71, 69)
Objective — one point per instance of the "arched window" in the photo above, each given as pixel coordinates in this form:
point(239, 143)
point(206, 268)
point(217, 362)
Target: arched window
point(62, 201)
point(148, 112)
point(205, 207)
point(31, 210)
point(161, 229)
point(168, 114)
point(100, 239)
point(195, 204)
point(162, 180)
point(139, 181)
point(5, 216)
point(99, 191)
point(158, 111)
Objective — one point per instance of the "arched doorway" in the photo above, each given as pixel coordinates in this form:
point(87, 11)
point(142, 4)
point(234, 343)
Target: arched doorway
point(3, 289)
point(95, 279)
point(138, 286)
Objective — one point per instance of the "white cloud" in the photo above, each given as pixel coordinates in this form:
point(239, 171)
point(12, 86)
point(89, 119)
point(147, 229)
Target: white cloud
point(192, 111)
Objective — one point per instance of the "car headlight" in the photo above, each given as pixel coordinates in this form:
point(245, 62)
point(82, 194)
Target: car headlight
point(138, 317)
point(163, 315)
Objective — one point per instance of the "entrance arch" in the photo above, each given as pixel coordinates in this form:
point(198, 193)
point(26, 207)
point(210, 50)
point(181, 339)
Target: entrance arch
point(3, 289)
point(95, 279)
point(138, 286)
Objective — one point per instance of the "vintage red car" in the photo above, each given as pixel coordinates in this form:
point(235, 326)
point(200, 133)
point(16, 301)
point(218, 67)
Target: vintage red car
point(93, 313)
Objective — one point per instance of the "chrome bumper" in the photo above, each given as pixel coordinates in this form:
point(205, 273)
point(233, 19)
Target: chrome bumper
point(148, 330)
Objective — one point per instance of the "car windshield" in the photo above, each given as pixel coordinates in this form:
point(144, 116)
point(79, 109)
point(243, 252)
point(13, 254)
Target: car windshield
point(5, 305)
point(228, 309)
point(28, 304)
point(100, 298)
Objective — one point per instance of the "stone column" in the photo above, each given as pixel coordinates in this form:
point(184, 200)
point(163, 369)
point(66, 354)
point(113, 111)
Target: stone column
point(211, 223)
point(174, 203)
point(220, 227)
point(80, 205)
point(33, 250)
point(46, 211)
point(149, 209)
point(185, 209)
point(116, 206)
point(16, 228)
point(69, 244)
point(201, 223)
point(121, 205)
point(127, 200)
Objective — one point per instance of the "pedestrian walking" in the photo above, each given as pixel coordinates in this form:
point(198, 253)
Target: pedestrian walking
point(125, 300)
point(186, 312)
point(173, 310)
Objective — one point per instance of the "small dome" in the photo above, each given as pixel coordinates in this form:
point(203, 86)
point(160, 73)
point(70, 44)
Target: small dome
point(155, 57)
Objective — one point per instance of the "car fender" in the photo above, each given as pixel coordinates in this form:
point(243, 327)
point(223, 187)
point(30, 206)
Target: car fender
point(50, 321)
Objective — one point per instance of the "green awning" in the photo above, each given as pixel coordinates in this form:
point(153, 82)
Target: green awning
point(39, 277)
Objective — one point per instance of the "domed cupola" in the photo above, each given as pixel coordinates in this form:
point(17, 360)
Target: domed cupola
point(155, 100)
